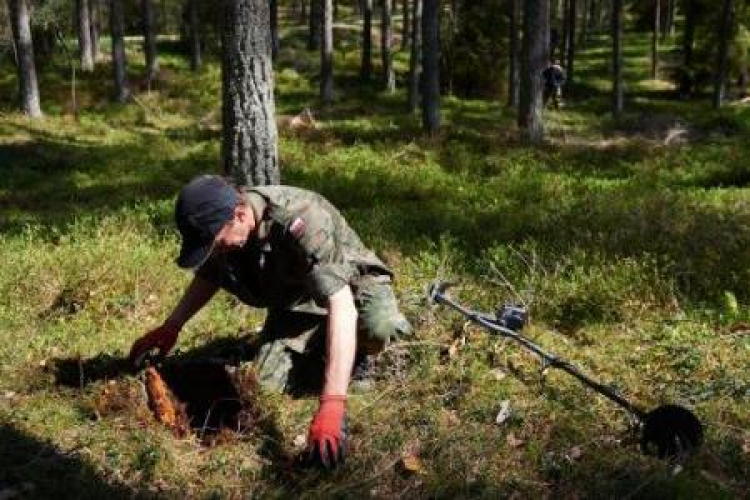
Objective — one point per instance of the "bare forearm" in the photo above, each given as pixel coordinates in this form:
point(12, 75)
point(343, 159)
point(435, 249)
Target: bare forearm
point(341, 342)
point(197, 294)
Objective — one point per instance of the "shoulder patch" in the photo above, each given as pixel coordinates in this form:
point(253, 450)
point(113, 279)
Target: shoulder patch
point(297, 227)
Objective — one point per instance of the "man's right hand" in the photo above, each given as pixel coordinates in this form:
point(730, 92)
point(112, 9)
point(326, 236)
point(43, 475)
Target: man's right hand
point(163, 337)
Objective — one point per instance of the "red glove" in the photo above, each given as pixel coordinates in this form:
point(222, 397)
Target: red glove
point(163, 338)
point(327, 438)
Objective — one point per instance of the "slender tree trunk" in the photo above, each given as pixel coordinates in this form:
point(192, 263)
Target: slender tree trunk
point(119, 62)
point(386, 46)
point(149, 42)
point(571, 54)
point(326, 54)
point(431, 66)
point(249, 146)
point(313, 40)
point(668, 25)
point(688, 40)
point(85, 51)
point(95, 13)
point(617, 88)
point(722, 59)
point(405, 25)
point(274, 7)
point(584, 38)
point(196, 57)
point(303, 11)
point(564, 46)
point(535, 57)
point(28, 88)
point(514, 46)
point(366, 69)
point(655, 40)
point(415, 66)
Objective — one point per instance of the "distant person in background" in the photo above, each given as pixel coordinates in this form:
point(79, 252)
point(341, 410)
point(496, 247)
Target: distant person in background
point(554, 79)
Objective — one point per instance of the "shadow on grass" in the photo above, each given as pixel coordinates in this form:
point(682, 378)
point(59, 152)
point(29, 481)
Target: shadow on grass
point(31, 468)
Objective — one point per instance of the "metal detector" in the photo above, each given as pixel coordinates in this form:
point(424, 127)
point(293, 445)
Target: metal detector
point(667, 431)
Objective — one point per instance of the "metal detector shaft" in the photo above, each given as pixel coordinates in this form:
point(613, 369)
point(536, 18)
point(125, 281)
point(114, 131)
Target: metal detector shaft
point(548, 359)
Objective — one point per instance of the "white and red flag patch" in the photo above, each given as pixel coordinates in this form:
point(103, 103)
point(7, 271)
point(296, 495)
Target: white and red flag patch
point(297, 227)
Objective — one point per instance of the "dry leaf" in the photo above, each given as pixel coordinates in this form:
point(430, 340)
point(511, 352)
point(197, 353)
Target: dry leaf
point(513, 441)
point(498, 374)
point(504, 413)
point(575, 453)
point(411, 463)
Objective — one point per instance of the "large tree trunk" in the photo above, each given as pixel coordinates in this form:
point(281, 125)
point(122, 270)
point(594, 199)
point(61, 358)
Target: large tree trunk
point(149, 41)
point(386, 46)
point(326, 54)
point(28, 88)
point(431, 66)
point(249, 145)
point(85, 50)
point(274, 6)
point(405, 25)
point(366, 69)
point(535, 52)
point(119, 63)
point(655, 40)
point(196, 57)
point(571, 53)
point(722, 59)
point(617, 90)
point(313, 38)
point(95, 12)
point(415, 65)
point(514, 74)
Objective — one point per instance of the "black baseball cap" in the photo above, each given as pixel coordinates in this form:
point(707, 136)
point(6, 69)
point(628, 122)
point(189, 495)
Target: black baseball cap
point(203, 207)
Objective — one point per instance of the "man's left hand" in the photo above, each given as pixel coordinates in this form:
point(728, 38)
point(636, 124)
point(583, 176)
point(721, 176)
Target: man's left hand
point(326, 441)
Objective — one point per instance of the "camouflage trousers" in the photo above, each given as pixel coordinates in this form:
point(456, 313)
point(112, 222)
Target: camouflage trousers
point(292, 351)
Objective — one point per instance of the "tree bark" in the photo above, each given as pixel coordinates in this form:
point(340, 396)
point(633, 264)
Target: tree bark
point(274, 7)
point(366, 69)
point(249, 145)
point(405, 25)
point(119, 61)
point(95, 14)
point(386, 46)
point(326, 54)
point(617, 88)
point(28, 87)
point(514, 74)
point(149, 42)
point(313, 40)
point(655, 40)
point(196, 57)
point(85, 51)
point(431, 66)
point(571, 53)
point(535, 57)
point(722, 59)
point(688, 40)
point(415, 67)
point(584, 38)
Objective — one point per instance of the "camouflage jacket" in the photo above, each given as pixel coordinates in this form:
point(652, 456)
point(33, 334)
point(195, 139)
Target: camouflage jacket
point(301, 252)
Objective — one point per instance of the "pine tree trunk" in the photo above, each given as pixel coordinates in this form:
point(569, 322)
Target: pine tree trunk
point(149, 42)
point(584, 38)
point(655, 40)
point(119, 62)
point(366, 69)
point(386, 46)
point(28, 87)
point(722, 59)
point(249, 145)
point(617, 89)
point(571, 53)
point(535, 57)
point(274, 7)
point(326, 54)
point(565, 35)
point(415, 65)
point(313, 40)
point(196, 57)
point(514, 46)
point(85, 51)
point(431, 66)
point(303, 12)
point(405, 25)
point(95, 14)
point(688, 40)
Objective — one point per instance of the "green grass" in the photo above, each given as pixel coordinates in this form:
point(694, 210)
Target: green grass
point(634, 254)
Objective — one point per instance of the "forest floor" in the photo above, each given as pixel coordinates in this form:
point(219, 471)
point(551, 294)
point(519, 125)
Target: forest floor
point(629, 239)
